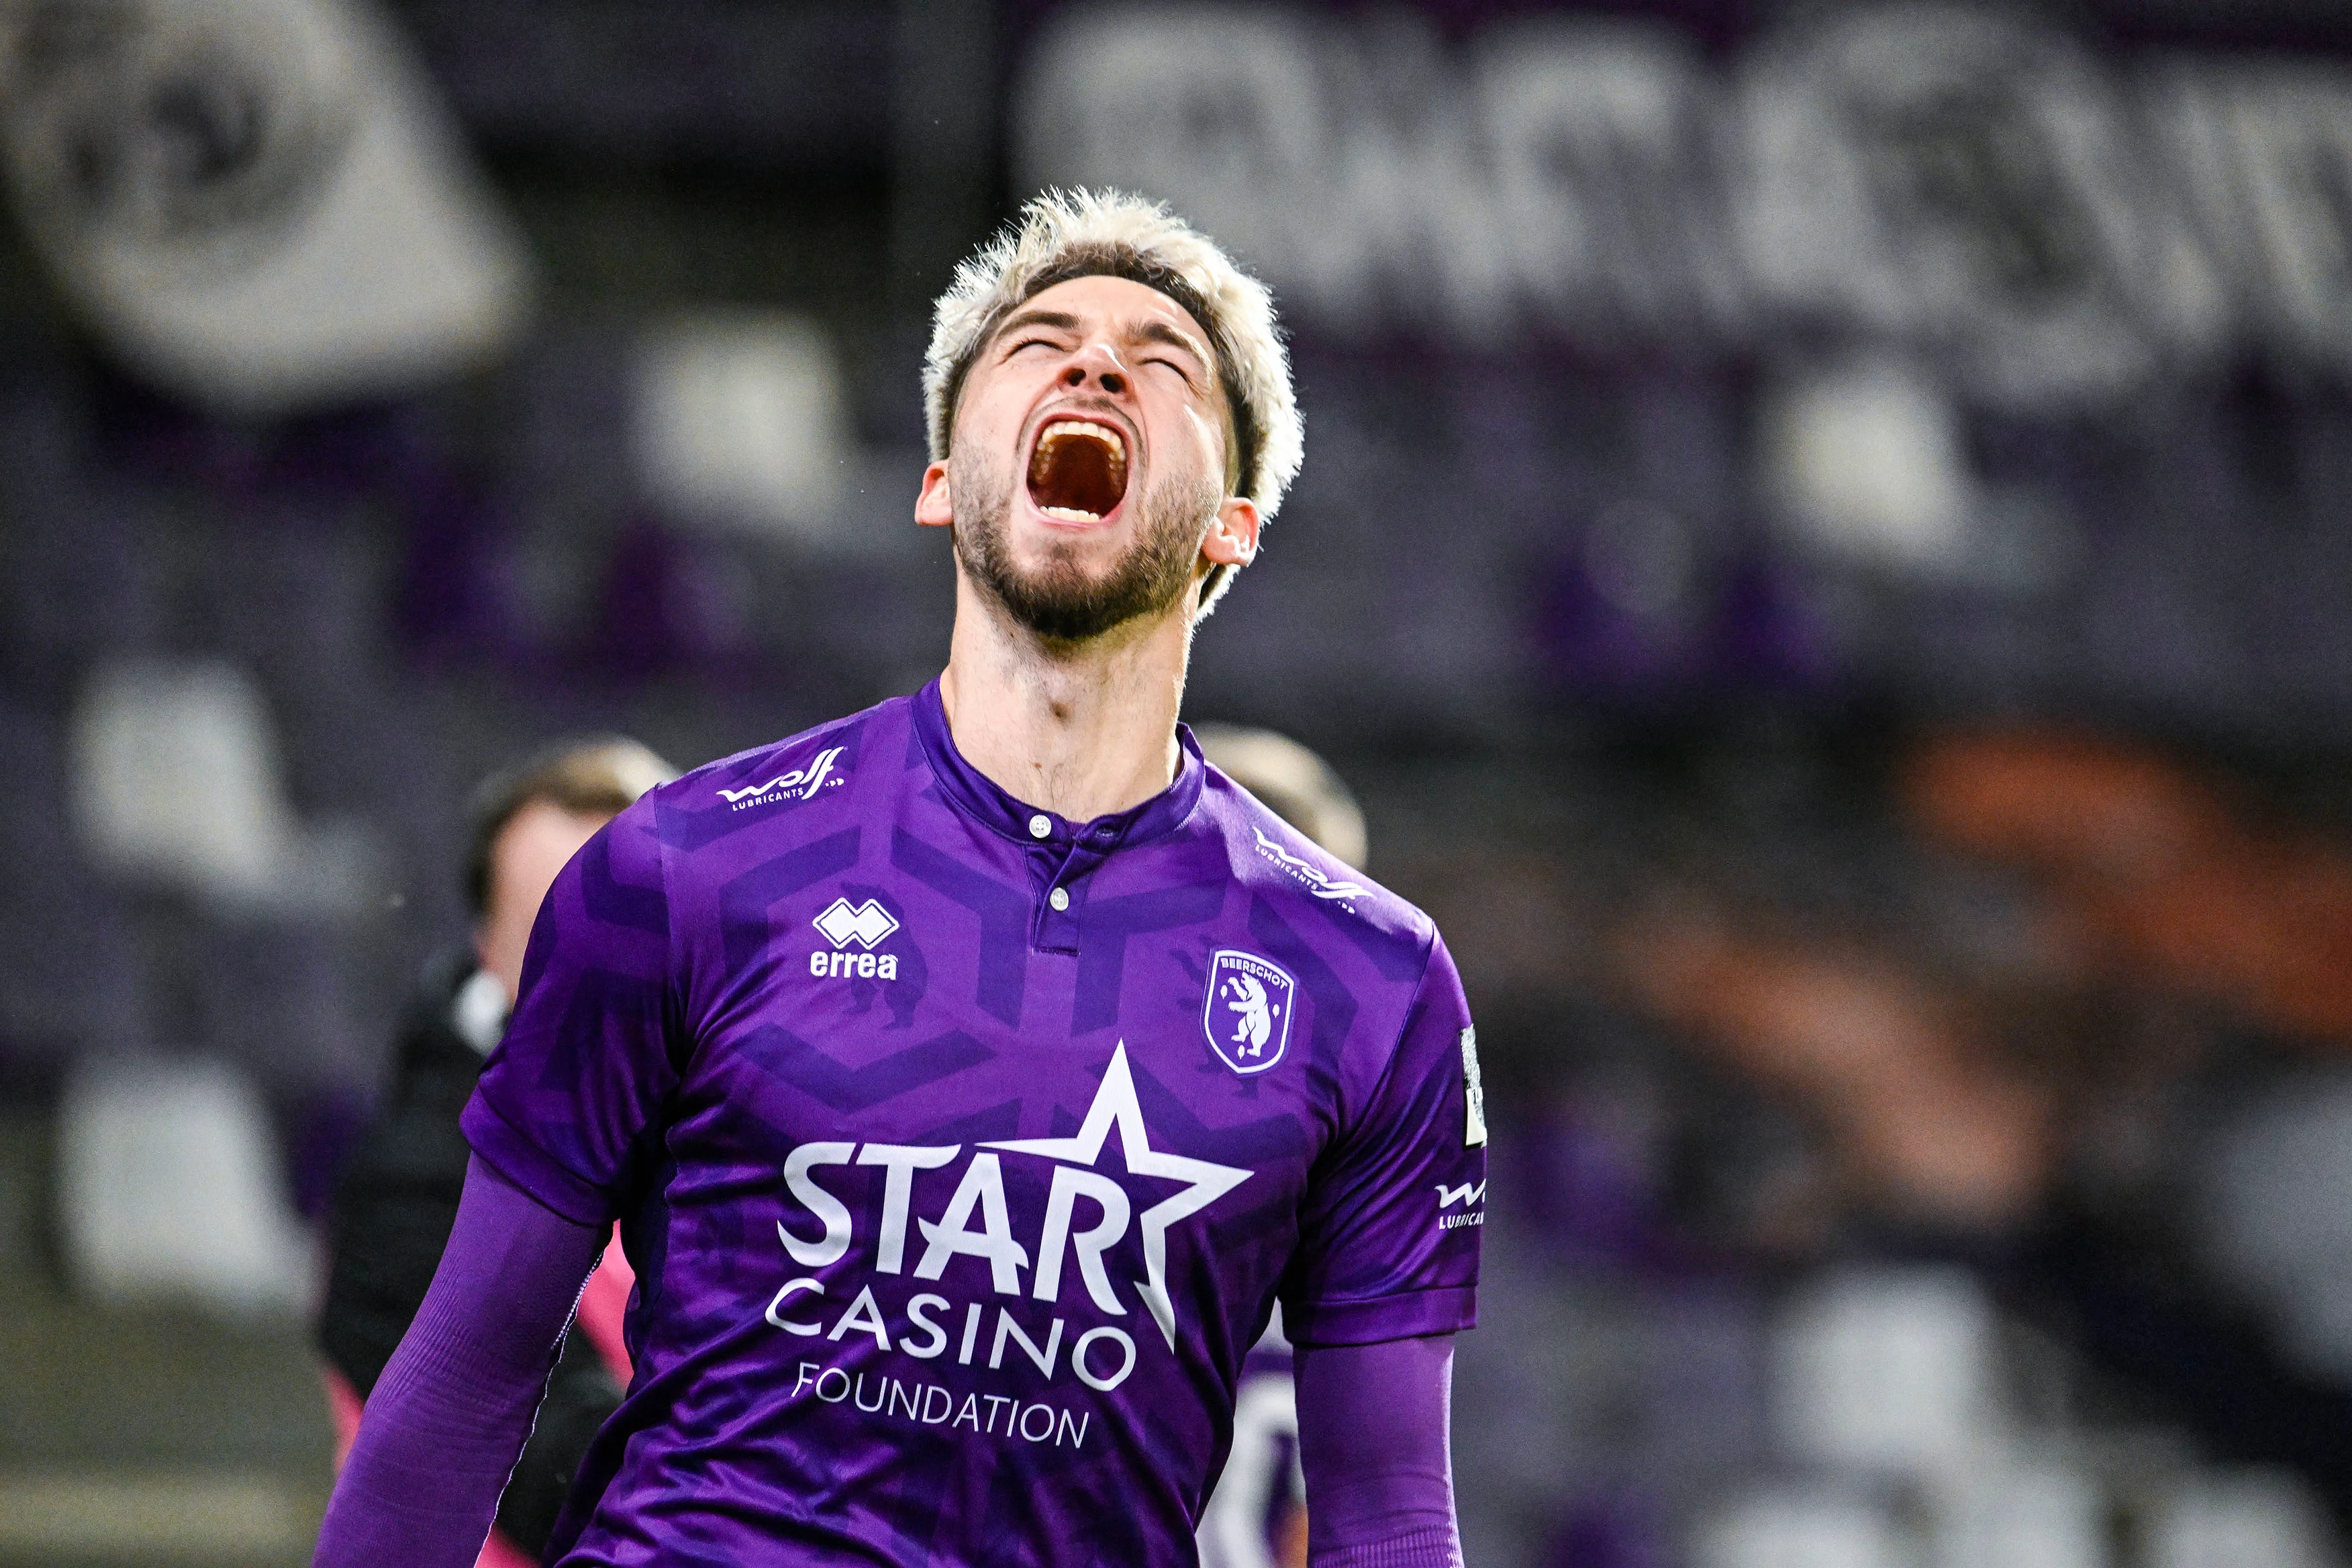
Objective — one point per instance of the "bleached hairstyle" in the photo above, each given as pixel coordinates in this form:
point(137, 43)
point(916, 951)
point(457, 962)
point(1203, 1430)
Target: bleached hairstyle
point(1062, 235)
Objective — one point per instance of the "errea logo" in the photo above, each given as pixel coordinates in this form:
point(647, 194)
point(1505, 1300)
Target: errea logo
point(864, 925)
point(845, 925)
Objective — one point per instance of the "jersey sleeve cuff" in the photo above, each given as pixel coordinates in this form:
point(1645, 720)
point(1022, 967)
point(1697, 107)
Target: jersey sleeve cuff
point(529, 1167)
point(1414, 1315)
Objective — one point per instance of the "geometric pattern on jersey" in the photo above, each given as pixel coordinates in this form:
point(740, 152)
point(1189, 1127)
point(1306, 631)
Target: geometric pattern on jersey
point(955, 1200)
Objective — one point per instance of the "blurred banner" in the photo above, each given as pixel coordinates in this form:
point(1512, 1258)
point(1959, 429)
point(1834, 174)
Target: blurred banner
point(256, 203)
point(2052, 227)
point(1949, 351)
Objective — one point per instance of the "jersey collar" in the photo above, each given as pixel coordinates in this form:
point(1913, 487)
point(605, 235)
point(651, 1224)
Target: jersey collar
point(978, 796)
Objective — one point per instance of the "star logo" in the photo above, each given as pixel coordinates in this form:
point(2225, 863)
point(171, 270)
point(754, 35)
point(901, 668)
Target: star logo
point(1115, 1105)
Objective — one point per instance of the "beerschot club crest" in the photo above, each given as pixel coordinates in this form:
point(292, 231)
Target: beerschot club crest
point(1247, 1013)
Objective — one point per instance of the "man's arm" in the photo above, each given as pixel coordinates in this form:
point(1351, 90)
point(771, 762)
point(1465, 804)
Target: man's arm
point(447, 1418)
point(395, 1208)
point(1372, 1438)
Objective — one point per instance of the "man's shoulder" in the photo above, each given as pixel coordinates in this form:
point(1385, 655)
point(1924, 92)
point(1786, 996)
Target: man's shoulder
point(798, 767)
point(1313, 891)
point(806, 783)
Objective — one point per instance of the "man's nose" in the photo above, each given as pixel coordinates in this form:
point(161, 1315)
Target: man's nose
point(1097, 364)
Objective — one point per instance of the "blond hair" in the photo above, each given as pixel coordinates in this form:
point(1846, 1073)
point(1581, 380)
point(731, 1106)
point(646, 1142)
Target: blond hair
point(1062, 235)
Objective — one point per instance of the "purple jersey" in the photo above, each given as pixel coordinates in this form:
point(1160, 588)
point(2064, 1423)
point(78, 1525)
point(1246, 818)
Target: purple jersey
point(962, 1151)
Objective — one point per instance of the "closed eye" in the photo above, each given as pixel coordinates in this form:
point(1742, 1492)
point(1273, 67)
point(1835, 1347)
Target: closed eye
point(1183, 375)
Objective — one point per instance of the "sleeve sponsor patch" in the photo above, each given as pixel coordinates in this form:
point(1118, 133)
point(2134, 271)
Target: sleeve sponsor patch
point(1473, 1094)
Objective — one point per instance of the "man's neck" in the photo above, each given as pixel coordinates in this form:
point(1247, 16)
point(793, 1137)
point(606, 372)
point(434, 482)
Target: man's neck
point(1082, 731)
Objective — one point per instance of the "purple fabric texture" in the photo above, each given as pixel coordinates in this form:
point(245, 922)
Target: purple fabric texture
point(450, 1412)
point(1373, 1422)
point(962, 1151)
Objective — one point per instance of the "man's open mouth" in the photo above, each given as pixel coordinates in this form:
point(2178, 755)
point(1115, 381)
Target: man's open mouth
point(1078, 471)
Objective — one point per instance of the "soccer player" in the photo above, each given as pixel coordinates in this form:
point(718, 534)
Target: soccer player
point(971, 1076)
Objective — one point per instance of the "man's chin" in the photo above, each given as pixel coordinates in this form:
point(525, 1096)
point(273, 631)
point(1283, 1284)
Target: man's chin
point(1064, 603)
point(1075, 586)
point(1063, 612)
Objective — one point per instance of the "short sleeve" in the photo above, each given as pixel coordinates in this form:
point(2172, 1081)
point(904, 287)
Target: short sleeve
point(1387, 1242)
point(592, 1054)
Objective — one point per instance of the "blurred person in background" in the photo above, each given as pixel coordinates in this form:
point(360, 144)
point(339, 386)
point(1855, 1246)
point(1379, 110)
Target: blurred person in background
point(398, 1199)
point(1256, 1516)
point(1293, 784)
point(779, 1009)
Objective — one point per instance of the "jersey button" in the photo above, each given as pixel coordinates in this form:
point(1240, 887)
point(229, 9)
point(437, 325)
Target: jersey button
point(1060, 899)
point(1040, 826)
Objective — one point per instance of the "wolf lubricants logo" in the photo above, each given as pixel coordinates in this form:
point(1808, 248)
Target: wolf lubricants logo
point(799, 783)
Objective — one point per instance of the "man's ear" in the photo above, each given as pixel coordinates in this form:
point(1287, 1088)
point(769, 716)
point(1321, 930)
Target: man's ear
point(934, 508)
point(1231, 538)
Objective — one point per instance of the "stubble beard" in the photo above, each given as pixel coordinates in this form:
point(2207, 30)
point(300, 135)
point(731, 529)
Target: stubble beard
point(1060, 601)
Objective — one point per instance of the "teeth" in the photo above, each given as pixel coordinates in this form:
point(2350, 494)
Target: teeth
point(1103, 433)
point(1070, 514)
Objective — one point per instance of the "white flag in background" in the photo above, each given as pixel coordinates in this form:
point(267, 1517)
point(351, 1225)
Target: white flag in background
point(258, 202)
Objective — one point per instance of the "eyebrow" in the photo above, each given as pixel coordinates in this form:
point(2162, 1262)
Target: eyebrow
point(1151, 331)
point(1060, 321)
point(1161, 332)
